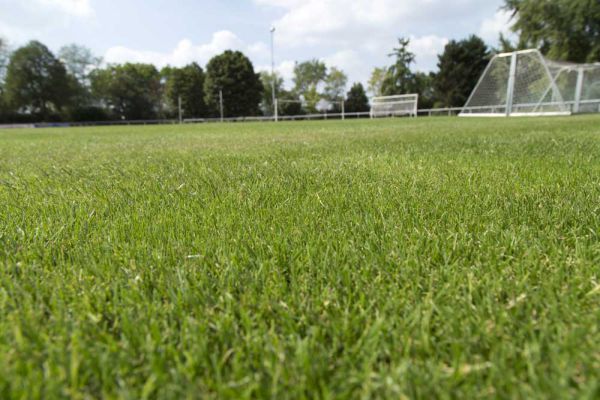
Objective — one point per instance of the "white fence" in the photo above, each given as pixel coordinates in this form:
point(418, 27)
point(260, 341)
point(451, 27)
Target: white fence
point(589, 106)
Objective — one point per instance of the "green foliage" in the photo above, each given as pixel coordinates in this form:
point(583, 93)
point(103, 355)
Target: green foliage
point(37, 82)
point(311, 98)
point(567, 30)
point(459, 68)
point(130, 91)
point(356, 99)
point(506, 45)
point(313, 83)
point(399, 78)
point(4, 111)
point(429, 258)
point(335, 84)
point(376, 81)
point(290, 103)
point(308, 76)
point(423, 85)
point(87, 113)
point(79, 62)
point(233, 73)
point(335, 88)
point(187, 83)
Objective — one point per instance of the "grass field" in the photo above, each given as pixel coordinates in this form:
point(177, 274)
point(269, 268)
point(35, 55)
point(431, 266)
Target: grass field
point(428, 258)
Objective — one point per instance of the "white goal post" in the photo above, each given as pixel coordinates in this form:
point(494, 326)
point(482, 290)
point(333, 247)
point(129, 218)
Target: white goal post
point(395, 106)
point(525, 83)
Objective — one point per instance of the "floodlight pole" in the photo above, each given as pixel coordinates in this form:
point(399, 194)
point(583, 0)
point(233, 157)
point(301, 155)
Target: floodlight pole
point(180, 112)
point(221, 102)
point(275, 111)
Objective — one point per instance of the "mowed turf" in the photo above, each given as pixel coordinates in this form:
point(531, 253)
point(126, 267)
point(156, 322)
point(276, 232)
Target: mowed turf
point(427, 258)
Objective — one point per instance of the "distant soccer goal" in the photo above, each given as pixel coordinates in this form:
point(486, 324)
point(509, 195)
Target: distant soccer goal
point(395, 106)
point(525, 83)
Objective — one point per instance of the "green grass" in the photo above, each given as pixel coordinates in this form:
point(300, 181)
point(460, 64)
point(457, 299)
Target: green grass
point(428, 258)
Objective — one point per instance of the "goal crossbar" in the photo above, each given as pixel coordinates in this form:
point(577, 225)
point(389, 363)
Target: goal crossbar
point(397, 105)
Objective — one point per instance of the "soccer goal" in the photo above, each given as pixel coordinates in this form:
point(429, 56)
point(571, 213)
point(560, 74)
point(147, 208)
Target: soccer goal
point(525, 83)
point(395, 106)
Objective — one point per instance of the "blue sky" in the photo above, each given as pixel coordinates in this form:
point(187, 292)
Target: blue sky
point(353, 35)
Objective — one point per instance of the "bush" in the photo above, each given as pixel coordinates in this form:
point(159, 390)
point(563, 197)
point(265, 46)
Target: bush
point(88, 114)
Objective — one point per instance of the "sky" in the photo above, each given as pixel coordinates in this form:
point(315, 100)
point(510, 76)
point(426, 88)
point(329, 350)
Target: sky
point(354, 35)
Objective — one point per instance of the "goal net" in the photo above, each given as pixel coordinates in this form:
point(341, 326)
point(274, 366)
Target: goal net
point(524, 83)
point(394, 106)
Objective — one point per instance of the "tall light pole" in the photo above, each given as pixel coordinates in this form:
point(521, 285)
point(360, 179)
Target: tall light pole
point(221, 103)
point(273, 72)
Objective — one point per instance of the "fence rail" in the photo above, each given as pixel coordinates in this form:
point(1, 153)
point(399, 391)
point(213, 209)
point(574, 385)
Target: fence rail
point(592, 106)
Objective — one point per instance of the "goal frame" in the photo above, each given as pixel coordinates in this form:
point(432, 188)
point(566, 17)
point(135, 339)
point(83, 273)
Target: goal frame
point(396, 100)
point(565, 84)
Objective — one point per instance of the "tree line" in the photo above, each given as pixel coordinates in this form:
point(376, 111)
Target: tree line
point(74, 85)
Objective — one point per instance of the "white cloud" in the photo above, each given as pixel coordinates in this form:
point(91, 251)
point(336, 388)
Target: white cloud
point(353, 35)
point(358, 67)
point(77, 8)
point(259, 49)
point(313, 17)
point(351, 62)
point(279, 3)
point(426, 50)
point(22, 20)
point(184, 53)
point(345, 59)
point(491, 28)
point(358, 35)
point(339, 21)
point(285, 69)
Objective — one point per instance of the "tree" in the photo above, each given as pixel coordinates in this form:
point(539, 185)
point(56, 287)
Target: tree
point(399, 77)
point(232, 73)
point(460, 66)
point(335, 84)
point(356, 99)
point(130, 91)
point(187, 83)
point(567, 30)
point(505, 45)
point(36, 81)
point(270, 81)
point(422, 84)
point(376, 81)
point(311, 99)
point(335, 87)
point(308, 75)
point(290, 103)
point(79, 61)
